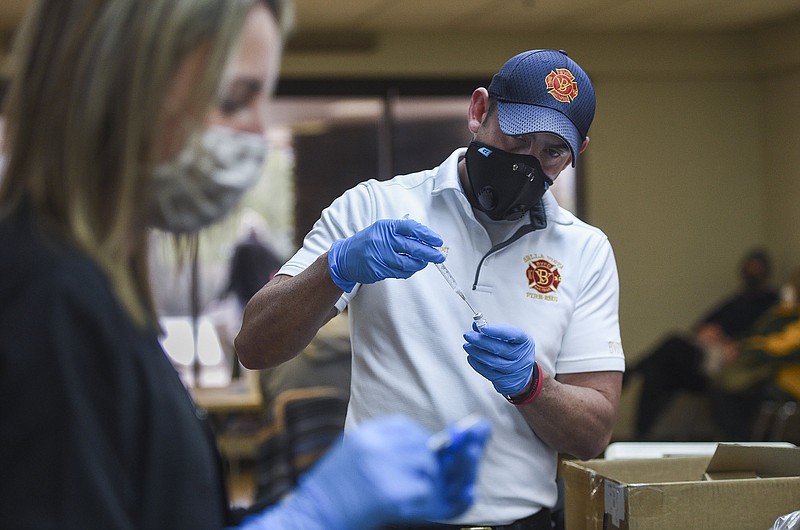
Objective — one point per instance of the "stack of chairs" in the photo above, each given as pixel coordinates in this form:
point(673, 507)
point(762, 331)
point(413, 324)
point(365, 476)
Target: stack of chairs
point(778, 421)
point(306, 422)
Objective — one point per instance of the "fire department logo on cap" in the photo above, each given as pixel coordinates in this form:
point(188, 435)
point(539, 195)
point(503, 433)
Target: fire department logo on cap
point(561, 85)
point(543, 276)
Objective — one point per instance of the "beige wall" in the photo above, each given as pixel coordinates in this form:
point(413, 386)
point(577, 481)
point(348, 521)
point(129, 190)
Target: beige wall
point(694, 157)
point(694, 154)
point(778, 87)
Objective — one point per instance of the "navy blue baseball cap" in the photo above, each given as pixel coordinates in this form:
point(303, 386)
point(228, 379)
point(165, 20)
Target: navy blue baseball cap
point(544, 91)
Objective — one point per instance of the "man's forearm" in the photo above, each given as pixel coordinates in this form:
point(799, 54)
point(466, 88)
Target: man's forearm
point(284, 315)
point(576, 415)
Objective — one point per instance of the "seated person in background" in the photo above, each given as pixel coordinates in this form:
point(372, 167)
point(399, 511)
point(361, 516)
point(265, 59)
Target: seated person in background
point(687, 362)
point(253, 264)
point(766, 367)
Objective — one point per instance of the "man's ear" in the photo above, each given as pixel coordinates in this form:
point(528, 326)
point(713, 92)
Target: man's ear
point(583, 145)
point(478, 108)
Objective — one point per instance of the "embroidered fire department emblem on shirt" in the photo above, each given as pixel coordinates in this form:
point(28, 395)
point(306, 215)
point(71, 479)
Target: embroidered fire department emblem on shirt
point(561, 85)
point(543, 276)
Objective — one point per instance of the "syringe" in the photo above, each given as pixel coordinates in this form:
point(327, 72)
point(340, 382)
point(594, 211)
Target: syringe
point(477, 316)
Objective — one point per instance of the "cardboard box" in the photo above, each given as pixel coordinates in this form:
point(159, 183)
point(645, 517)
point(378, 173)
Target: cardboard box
point(739, 487)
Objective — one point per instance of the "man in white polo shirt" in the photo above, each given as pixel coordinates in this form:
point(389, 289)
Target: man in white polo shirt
point(547, 368)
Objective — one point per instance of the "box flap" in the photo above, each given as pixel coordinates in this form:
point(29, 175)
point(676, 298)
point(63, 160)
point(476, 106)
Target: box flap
point(654, 494)
point(735, 461)
point(648, 470)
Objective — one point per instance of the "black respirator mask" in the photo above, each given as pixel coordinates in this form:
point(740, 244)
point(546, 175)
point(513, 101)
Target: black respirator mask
point(506, 185)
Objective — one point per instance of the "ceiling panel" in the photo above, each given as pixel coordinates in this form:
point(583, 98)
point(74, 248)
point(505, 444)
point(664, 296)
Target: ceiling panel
point(325, 15)
point(745, 13)
point(551, 16)
point(512, 15)
point(431, 15)
point(11, 12)
point(689, 15)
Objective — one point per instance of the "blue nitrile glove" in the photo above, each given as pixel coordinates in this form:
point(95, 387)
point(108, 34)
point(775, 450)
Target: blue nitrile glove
point(459, 462)
point(388, 248)
point(502, 354)
point(384, 471)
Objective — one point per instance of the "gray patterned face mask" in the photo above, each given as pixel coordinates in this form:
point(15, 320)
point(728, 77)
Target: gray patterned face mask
point(206, 179)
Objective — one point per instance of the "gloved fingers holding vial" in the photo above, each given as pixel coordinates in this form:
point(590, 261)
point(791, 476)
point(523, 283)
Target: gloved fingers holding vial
point(503, 354)
point(388, 248)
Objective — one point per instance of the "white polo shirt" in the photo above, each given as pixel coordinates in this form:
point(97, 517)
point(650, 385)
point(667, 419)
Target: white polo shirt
point(558, 283)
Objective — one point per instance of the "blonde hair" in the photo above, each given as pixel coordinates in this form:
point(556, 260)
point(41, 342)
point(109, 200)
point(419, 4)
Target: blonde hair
point(89, 87)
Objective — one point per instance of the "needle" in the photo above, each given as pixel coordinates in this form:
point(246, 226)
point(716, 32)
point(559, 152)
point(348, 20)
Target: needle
point(477, 316)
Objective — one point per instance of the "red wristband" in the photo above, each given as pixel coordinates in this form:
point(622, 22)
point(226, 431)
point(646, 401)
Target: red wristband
point(533, 392)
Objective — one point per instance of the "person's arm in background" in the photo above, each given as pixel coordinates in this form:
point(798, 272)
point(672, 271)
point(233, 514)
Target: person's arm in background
point(283, 317)
point(775, 335)
point(771, 352)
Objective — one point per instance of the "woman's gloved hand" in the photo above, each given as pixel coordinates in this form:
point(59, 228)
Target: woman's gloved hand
point(388, 248)
point(502, 354)
point(458, 461)
point(384, 471)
